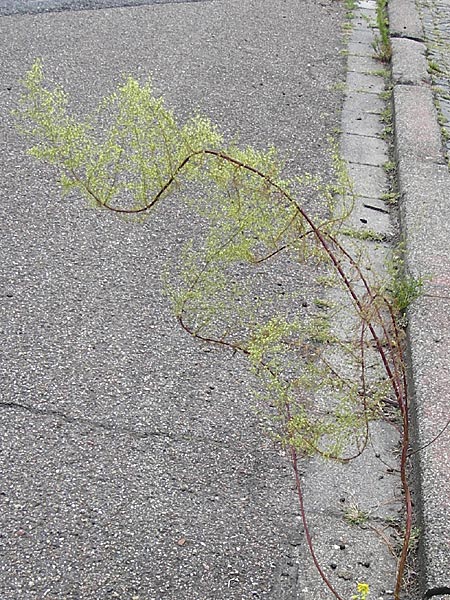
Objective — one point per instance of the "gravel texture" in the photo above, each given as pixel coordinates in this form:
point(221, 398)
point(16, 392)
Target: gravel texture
point(133, 463)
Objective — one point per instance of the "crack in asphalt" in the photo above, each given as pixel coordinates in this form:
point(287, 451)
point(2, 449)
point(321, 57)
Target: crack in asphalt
point(98, 424)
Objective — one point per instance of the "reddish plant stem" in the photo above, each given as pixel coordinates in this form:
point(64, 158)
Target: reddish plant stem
point(317, 564)
point(363, 382)
point(408, 503)
point(336, 263)
point(394, 366)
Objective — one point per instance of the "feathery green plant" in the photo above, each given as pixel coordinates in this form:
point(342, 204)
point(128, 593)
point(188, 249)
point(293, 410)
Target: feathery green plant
point(382, 43)
point(131, 154)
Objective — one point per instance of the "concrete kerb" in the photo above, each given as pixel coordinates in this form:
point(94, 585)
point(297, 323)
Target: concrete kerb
point(404, 20)
point(424, 185)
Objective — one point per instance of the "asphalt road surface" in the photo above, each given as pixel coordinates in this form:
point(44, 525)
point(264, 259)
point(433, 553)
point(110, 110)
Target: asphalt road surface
point(13, 7)
point(132, 463)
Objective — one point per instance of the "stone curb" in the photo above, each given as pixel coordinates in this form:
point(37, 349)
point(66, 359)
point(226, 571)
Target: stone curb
point(404, 20)
point(424, 186)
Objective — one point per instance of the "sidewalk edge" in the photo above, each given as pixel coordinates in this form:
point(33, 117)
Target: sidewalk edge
point(424, 187)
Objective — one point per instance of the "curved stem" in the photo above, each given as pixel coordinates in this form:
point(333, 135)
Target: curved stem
point(391, 359)
point(408, 504)
point(312, 552)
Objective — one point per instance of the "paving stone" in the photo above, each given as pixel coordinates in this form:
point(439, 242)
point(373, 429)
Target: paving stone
point(409, 65)
point(364, 19)
point(367, 5)
point(361, 103)
point(369, 181)
point(363, 64)
point(363, 82)
point(363, 36)
point(364, 150)
point(417, 131)
point(435, 18)
point(370, 220)
point(360, 49)
point(404, 20)
point(362, 124)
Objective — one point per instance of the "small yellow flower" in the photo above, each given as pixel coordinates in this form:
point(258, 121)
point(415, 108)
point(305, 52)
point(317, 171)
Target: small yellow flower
point(363, 591)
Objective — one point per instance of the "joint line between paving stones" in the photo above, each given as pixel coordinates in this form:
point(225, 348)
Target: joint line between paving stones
point(397, 36)
point(363, 135)
point(350, 162)
point(371, 207)
point(362, 90)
